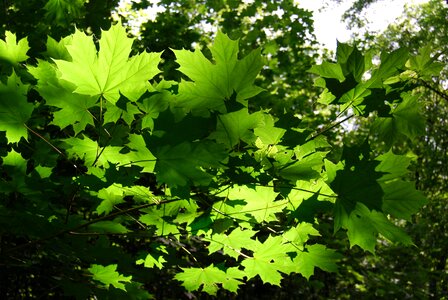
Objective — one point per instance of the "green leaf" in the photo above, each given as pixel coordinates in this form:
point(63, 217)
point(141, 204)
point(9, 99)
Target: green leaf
point(112, 195)
point(15, 166)
point(391, 64)
point(185, 163)
point(306, 189)
point(407, 120)
point(236, 126)
point(424, 64)
point(59, 10)
point(401, 199)
point(316, 256)
point(269, 134)
point(114, 113)
point(58, 50)
point(139, 155)
point(157, 218)
point(92, 154)
point(306, 168)
point(108, 227)
point(328, 70)
point(300, 234)
point(150, 261)
point(193, 278)
point(364, 225)
point(356, 64)
point(233, 279)
point(392, 166)
point(108, 275)
point(214, 82)
point(269, 259)
point(353, 185)
point(408, 116)
point(12, 51)
point(343, 52)
point(74, 108)
point(110, 71)
point(15, 110)
point(261, 202)
point(155, 104)
point(232, 243)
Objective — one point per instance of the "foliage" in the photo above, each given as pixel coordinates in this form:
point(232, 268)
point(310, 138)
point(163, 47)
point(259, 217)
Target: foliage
point(283, 29)
point(415, 272)
point(187, 179)
point(56, 18)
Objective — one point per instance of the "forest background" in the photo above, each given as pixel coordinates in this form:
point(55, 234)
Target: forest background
point(38, 262)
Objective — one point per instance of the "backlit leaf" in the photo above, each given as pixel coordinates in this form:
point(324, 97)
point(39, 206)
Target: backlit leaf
point(14, 108)
point(108, 275)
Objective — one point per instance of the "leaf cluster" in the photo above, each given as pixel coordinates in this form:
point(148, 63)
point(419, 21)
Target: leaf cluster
point(121, 176)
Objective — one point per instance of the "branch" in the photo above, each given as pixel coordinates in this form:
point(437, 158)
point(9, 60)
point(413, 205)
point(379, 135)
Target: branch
point(329, 128)
point(78, 227)
point(433, 89)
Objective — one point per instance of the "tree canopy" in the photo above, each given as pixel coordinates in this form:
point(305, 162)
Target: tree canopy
point(187, 163)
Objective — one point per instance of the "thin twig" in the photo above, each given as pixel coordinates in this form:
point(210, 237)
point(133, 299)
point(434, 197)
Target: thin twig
point(329, 128)
point(76, 228)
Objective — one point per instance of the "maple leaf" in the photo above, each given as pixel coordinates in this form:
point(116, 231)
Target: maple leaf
point(155, 104)
point(269, 134)
point(59, 10)
point(16, 167)
point(364, 225)
point(269, 259)
point(233, 242)
point(212, 83)
point(400, 199)
point(112, 195)
point(14, 108)
point(209, 278)
point(305, 168)
point(157, 218)
point(139, 155)
point(154, 259)
point(58, 50)
point(299, 235)
point(108, 227)
point(316, 256)
point(236, 126)
point(406, 120)
point(306, 189)
point(109, 71)
point(260, 202)
point(90, 151)
point(74, 108)
point(140, 194)
point(183, 163)
point(11, 51)
point(108, 275)
point(114, 113)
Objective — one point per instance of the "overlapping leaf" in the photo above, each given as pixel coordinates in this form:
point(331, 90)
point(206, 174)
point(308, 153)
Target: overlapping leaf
point(12, 51)
point(14, 108)
point(214, 82)
point(209, 278)
point(110, 71)
point(316, 256)
point(237, 126)
point(261, 203)
point(74, 108)
point(108, 275)
point(181, 165)
point(269, 259)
